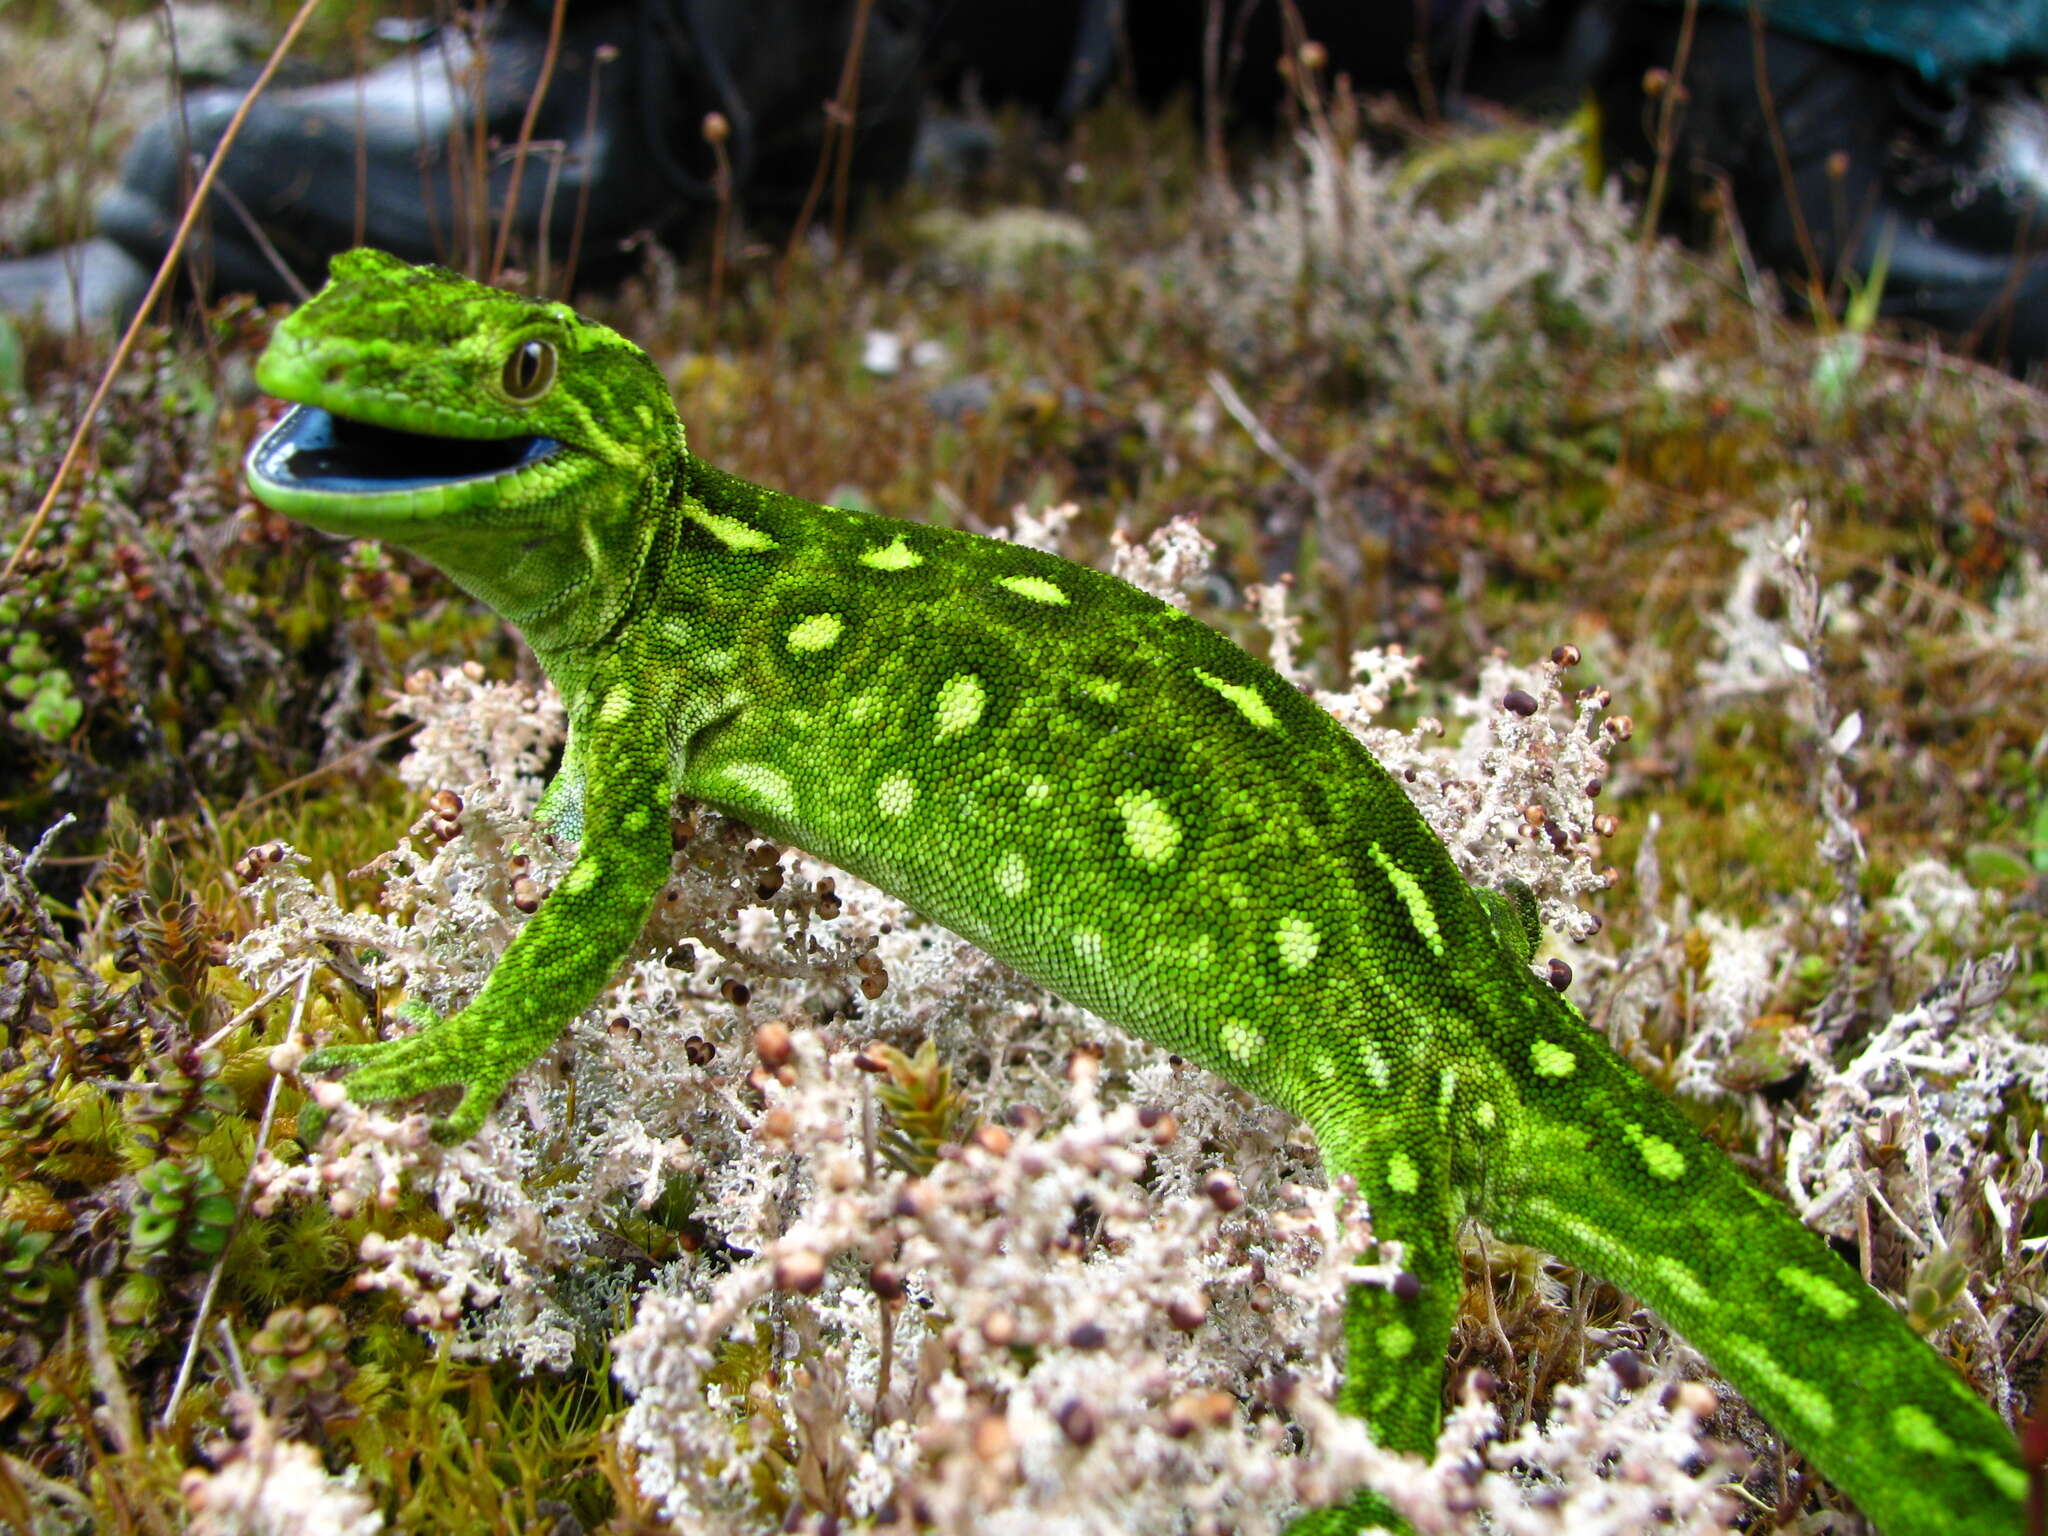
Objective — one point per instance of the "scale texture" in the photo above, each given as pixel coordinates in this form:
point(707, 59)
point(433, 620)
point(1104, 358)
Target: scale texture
point(1100, 791)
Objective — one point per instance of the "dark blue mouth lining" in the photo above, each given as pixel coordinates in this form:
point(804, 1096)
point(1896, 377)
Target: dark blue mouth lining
point(317, 450)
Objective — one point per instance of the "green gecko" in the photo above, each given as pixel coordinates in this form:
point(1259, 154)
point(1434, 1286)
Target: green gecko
point(1095, 788)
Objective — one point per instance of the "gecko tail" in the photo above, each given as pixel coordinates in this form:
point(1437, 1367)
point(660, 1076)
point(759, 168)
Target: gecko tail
point(1652, 1205)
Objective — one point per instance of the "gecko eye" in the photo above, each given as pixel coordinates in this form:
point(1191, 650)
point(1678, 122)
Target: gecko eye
point(529, 371)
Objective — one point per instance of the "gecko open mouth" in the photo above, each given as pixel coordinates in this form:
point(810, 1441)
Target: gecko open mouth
point(317, 450)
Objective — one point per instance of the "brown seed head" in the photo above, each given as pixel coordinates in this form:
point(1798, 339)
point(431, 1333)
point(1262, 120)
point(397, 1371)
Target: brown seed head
point(1222, 1189)
point(772, 1043)
point(801, 1271)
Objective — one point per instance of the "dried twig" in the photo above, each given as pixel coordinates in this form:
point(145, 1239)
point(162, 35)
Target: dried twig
point(241, 1209)
point(525, 143)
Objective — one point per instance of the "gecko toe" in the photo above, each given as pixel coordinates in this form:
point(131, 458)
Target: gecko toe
point(467, 1118)
point(330, 1057)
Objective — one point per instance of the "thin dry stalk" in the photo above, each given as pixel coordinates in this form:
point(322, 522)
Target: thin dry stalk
point(837, 121)
point(520, 147)
point(197, 269)
point(1997, 319)
point(1418, 63)
point(1841, 845)
point(119, 1415)
point(849, 113)
point(122, 1421)
point(1761, 310)
point(359, 46)
point(436, 237)
point(477, 224)
point(605, 55)
point(1816, 280)
point(716, 131)
point(262, 242)
point(1262, 435)
point(1302, 62)
point(78, 217)
point(469, 214)
point(165, 269)
point(1212, 93)
point(1669, 103)
point(543, 265)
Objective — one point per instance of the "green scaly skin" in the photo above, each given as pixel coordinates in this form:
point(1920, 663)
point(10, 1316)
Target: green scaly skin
point(1097, 789)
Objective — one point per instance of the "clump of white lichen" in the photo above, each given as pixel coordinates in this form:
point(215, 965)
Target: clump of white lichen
point(265, 1484)
point(1436, 289)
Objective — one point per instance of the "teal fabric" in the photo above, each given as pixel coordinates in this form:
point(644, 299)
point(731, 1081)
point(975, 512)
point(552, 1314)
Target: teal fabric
point(1944, 42)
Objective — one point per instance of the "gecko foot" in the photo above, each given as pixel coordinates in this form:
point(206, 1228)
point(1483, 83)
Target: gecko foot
point(461, 1050)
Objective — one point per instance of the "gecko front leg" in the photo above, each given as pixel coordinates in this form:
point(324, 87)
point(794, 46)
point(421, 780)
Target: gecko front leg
point(571, 948)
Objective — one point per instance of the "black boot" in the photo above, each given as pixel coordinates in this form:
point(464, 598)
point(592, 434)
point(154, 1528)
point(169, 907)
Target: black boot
point(1869, 165)
point(396, 158)
point(392, 159)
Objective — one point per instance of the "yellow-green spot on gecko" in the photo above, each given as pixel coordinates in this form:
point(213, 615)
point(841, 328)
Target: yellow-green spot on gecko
point(1663, 1159)
point(1823, 1295)
point(1917, 1432)
point(731, 532)
point(1240, 1039)
point(1036, 588)
point(895, 795)
point(1402, 1178)
point(1150, 831)
point(1413, 897)
point(815, 633)
point(1013, 875)
point(959, 704)
point(893, 556)
point(1247, 700)
point(1297, 941)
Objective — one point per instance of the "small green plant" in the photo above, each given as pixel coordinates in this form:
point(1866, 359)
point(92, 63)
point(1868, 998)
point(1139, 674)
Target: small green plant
point(925, 1110)
point(182, 1212)
point(1936, 1288)
point(183, 1099)
point(31, 1117)
point(49, 708)
point(300, 1355)
point(34, 1287)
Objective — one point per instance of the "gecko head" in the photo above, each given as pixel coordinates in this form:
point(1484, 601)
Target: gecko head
point(427, 403)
